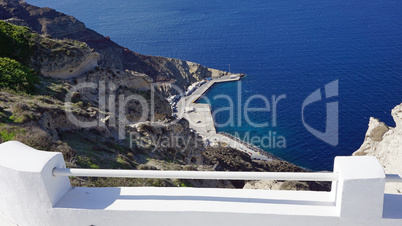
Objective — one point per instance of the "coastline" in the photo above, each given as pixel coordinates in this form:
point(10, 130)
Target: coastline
point(201, 121)
point(257, 149)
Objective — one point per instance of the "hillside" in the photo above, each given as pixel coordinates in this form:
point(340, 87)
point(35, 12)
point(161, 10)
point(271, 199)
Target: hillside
point(33, 107)
point(58, 25)
point(46, 55)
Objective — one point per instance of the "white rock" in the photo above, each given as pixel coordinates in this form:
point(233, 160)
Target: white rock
point(385, 143)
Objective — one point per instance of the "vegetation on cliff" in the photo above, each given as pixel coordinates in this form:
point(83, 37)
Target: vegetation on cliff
point(15, 54)
point(16, 76)
point(23, 53)
point(32, 108)
point(37, 116)
point(15, 42)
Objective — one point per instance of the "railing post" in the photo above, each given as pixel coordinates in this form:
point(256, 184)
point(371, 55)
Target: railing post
point(28, 190)
point(360, 187)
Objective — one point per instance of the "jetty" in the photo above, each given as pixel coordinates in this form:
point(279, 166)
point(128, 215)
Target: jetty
point(201, 121)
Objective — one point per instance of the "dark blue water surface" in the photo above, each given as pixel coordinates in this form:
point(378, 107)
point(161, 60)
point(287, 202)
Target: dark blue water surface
point(287, 48)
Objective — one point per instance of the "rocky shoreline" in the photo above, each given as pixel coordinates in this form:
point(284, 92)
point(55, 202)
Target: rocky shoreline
point(385, 143)
point(254, 148)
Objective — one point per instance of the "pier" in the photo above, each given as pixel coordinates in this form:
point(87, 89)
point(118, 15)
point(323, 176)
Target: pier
point(200, 118)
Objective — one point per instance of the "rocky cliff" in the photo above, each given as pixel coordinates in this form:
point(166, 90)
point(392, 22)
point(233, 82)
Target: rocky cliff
point(229, 159)
point(63, 59)
point(172, 139)
point(164, 70)
point(56, 58)
point(385, 143)
point(41, 119)
point(66, 54)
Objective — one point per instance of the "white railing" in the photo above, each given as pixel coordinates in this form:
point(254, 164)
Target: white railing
point(225, 175)
point(208, 175)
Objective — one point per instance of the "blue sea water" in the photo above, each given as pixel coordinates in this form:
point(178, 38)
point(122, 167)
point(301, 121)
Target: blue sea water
point(287, 48)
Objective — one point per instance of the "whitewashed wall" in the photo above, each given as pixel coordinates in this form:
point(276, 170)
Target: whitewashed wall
point(31, 195)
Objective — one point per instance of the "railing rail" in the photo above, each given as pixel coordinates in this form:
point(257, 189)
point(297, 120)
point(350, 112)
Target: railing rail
point(209, 175)
point(196, 174)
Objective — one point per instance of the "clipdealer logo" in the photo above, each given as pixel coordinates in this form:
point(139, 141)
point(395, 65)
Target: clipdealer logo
point(331, 133)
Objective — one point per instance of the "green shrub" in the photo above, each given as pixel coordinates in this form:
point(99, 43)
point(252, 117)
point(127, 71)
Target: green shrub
point(15, 42)
point(20, 118)
point(16, 76)
point(6, 135)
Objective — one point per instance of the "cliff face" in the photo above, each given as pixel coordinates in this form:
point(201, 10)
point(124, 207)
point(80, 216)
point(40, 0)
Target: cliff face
point(126, 83)
point(58, 25)
point(171, 139)
point(228, 159)
point(385, 143)
point(62, 59)
point(52, 57)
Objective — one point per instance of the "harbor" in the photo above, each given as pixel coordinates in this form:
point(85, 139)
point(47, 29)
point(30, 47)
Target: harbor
point(201, 121)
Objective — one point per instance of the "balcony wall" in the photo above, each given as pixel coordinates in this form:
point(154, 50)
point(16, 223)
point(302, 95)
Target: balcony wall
point(31, 195)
